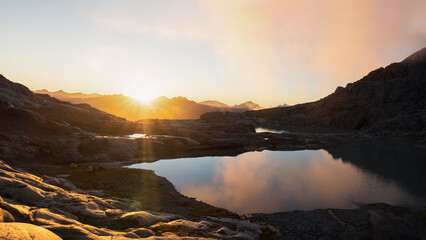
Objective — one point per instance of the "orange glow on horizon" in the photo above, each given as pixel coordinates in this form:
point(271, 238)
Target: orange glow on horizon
point(143, 93)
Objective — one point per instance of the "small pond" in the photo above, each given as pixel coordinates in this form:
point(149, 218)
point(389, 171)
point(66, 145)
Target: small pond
point(273, 181)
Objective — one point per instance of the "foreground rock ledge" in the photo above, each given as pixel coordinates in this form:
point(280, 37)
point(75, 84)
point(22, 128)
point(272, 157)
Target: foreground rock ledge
point(25, 231)
point(26, 198)
point(371, 221)
point(44, 210)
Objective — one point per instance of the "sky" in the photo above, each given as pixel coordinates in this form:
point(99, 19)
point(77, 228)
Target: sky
point(268, 51)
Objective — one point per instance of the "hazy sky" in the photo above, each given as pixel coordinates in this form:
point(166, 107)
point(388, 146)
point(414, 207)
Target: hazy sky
point(268, 51)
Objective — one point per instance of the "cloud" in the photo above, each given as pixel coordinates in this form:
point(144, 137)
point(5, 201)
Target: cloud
point(288, 49)
point(337, 40)
point(135, 25)
point(98, 58)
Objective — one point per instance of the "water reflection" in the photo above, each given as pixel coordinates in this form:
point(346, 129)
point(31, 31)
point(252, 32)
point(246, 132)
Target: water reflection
point(391, 160)
point(261, 130)
point(280, 181)
point(136, 135)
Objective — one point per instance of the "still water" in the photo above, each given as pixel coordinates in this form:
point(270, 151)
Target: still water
point(261, 130)
point(273, 181)
point(136, 135)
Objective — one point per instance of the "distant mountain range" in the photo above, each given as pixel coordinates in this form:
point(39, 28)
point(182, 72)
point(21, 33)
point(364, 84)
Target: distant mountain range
point(245, 106)
point(64, 95)
point(161, 107)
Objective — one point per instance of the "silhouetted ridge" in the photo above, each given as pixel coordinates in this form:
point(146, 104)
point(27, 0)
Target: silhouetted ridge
point(419, 56)
point(28, 112)
point(161, 107)
point(387, 100)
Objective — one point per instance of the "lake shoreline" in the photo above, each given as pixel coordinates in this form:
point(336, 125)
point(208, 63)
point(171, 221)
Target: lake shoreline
point(106, 155)
point(366, 221)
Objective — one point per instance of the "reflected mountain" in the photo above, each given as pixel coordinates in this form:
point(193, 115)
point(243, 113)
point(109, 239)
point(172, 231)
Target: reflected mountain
point(275, 181)
point(391, 160)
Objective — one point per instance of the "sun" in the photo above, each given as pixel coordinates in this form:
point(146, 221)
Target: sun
point(143, 93)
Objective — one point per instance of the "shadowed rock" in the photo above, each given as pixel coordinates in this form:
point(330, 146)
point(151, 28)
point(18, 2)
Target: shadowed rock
point(389, 101)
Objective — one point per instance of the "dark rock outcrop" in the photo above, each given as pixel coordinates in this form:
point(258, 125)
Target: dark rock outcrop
point(371, 221)
point(19, 107)
point(389, 101)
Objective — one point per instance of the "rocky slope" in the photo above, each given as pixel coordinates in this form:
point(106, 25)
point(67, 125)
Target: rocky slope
point(38, 113)
point(52, 207)
point(389, 101)
point(371, 221)
point(77, 214)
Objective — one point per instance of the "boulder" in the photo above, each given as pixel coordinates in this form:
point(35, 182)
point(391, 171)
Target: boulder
point(19, 212)
point(141, 232)
point(24, 231)
point(5, 216)
point(144, 218)
point(113, 212)
point(61, 182)
point(180, 225)
point(44, 216)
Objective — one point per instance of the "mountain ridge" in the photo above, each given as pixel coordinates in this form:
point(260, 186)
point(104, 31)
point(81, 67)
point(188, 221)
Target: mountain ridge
point(388, 101)
point(161, 107)
point(25, 111)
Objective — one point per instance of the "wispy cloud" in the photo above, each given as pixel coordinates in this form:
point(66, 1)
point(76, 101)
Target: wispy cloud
point(276, 43)
point(338, 40)
point(138, 26)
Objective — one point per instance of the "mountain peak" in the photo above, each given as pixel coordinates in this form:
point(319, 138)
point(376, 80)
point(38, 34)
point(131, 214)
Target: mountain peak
point(249, 105)
point(418, 56)
point(214, 103)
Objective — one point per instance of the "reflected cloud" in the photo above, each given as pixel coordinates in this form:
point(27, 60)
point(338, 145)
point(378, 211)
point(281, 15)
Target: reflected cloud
point(258, 182)
point(273, 181)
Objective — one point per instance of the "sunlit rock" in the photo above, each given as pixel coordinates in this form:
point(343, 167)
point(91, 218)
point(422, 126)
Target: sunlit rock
point(24, 231)
point(144, 218)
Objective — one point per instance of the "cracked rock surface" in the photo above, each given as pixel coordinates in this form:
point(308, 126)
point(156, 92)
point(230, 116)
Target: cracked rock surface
point(371, 221)
point(30, 208)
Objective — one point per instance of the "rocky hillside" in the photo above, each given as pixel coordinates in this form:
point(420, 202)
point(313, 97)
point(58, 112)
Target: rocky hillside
point(50, 207)
point(390, 100)
point(22, 111)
